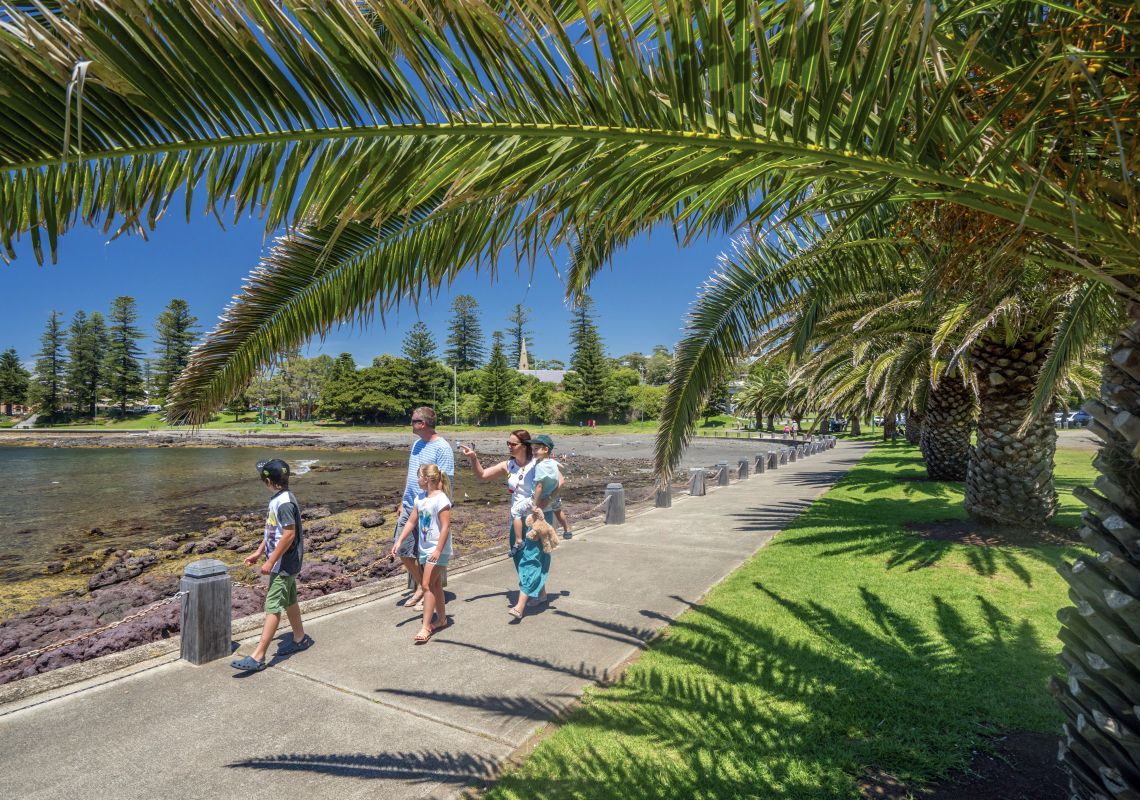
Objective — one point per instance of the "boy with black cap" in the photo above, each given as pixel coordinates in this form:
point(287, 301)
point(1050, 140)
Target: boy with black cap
point(283, 547)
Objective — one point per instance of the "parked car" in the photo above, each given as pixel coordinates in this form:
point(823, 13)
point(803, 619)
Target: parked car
point(152, 409)
point(837, 425)
point(1079, 419)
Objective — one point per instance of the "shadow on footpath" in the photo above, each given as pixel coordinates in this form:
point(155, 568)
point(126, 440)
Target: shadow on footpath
point(433, 766)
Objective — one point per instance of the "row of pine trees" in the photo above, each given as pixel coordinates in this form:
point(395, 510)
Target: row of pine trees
point(98, 358)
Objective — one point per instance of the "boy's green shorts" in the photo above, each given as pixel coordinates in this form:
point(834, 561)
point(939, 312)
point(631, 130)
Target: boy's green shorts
point(282, 593)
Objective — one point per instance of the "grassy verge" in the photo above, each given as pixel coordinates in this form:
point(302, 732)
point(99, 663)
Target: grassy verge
point(850, 645)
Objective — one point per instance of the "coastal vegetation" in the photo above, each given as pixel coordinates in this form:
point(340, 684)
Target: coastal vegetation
point(391, 148)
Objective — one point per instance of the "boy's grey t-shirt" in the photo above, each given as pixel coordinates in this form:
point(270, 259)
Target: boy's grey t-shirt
point(283, 512)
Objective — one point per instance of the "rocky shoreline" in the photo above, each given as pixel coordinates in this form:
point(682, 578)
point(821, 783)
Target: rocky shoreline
point(343, 550)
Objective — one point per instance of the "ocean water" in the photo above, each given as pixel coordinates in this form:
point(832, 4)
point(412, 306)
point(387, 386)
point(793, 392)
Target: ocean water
point(56, 496)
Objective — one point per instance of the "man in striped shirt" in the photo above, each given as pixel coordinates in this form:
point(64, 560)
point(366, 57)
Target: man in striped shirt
point(430, 448)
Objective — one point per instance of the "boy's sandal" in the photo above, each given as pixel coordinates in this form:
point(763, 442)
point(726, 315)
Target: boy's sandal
point(293, 646)
point(423, 638)
point(248, 664)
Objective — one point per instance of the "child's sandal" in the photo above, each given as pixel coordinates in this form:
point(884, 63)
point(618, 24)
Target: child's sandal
point(424, 636)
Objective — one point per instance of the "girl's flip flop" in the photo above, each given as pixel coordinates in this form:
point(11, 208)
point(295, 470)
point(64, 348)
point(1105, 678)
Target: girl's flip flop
point(422, 638)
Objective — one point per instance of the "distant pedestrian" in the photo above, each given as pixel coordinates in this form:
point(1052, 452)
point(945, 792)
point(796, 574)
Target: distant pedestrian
point(430, 449)
point(432, 517)
point(282, 545)
point(787, 430)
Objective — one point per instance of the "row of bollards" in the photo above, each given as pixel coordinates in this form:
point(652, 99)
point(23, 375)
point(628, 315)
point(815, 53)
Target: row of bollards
point(206, 617)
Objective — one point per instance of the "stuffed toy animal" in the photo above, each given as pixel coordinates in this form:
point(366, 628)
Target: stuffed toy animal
point(542, 530)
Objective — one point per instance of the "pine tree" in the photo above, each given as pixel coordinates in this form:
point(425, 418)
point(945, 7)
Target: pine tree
point(14, 379)
point(51, 365)
point(498, 389)
point(122, 368)
point(86, 350)
point(589, 378)
point(465, 335)
point(519, 334)
point(427, 374)
point(174, 335)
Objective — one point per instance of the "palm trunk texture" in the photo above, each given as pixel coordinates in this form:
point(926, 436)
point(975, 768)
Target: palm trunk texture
point(946, 430)
point(1010, 477)
point(914, 425)
point(855, 429)
point(1101, 634)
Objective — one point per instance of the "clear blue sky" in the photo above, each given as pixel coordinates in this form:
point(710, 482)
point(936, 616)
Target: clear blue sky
point(640, 302)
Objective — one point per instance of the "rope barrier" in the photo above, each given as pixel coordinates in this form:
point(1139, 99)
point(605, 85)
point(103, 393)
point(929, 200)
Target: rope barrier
point(18, 657)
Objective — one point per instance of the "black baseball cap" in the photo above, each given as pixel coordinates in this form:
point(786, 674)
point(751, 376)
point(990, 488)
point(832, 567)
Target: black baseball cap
point(275, 469)
point(544, 440)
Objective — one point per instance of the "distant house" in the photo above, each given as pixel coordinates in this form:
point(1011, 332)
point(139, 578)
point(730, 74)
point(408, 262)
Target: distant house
point(13, 409)
point(546, 375)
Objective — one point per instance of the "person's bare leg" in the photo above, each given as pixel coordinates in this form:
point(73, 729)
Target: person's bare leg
point(412, 565)
point(293, 612)
point(429, 602)
point(268, 631)
point(563, 521)
point(440, 600)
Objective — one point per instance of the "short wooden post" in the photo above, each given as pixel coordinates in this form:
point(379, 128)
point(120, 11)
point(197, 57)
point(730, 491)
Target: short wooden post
point(792, 455)
point(615, 504)
point(697, 481)
point(742, 469)
point(784, 455)
point(773, 459)
point(722, 473)
point(664, 497)
point(206, 624)
point(761, 463)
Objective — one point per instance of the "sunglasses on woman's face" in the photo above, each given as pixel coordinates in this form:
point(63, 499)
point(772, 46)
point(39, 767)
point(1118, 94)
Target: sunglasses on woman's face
point(513, 444)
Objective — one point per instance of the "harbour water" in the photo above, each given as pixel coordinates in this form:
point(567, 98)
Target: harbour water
point(56, 497)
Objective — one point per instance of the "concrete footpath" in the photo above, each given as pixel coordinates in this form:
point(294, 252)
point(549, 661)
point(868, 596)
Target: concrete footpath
point(365, 713)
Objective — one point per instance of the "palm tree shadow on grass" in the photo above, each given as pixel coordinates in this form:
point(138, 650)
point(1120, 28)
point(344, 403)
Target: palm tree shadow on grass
point(873, 528)
point(730, 708)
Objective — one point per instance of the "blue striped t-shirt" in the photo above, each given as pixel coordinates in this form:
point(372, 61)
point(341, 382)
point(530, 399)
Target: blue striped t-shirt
point(436, 452)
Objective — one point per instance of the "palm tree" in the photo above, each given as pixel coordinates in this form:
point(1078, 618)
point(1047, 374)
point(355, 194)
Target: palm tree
point(401, 146)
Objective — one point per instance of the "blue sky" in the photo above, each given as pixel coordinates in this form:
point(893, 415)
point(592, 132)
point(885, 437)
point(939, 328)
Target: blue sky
point(639, 302)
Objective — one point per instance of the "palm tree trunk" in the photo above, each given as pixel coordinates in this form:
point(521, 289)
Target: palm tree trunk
point(855, 429)
point(1100, 635)
point(946, 430)
point(1010, 477)
point(914, 425)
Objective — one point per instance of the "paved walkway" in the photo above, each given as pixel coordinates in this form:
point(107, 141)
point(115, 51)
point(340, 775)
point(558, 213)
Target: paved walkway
point(365, 713)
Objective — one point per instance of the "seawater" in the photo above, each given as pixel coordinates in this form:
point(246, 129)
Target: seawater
point(57, 496)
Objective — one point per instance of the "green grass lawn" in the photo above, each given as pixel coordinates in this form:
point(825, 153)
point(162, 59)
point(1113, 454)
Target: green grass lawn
point(850, 644)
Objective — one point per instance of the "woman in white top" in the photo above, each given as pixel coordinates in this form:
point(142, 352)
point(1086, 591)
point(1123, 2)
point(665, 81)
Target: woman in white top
point(530, 562)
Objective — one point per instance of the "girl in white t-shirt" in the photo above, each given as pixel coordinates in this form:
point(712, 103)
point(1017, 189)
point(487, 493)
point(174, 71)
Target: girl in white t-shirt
point(432, 516)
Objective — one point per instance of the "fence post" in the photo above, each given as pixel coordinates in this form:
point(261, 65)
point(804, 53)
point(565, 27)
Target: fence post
point(206, 623)
point(783, 455)
point(761, 462)
point(722, 473)
point(615, 504)
point(697, 481)
point(664, 498)
point(742, 469)
point(792, 455)
point(773, 459)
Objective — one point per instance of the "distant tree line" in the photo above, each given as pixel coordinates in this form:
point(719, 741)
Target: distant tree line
point(470, 383)
point(98, 360)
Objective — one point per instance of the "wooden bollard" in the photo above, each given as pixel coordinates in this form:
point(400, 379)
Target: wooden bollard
point(664, 497)
point(742, 469)
point(697, 482)
point(615, 504)
point(761, 463)
point(792, 454)
point(783, 455)
point(773, 459)
point(722, 473)
point(206, 623)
